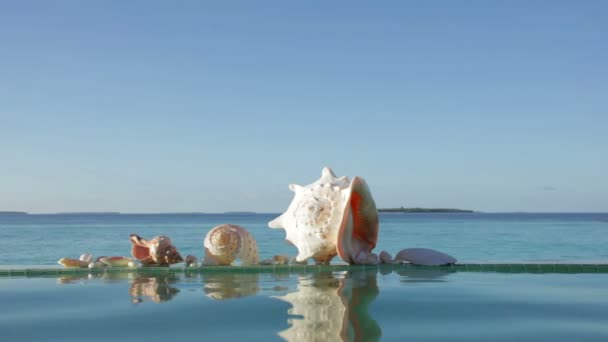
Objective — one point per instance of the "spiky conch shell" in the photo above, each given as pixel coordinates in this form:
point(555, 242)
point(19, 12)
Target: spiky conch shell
point(331, 216)
point(228, 242)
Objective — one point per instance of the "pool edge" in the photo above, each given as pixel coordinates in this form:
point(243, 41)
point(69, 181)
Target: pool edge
point(469, 267)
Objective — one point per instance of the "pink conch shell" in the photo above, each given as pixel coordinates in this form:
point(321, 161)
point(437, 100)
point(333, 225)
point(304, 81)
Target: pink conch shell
point(359, 229)
point(228, 242)
point(331, 216)
point(157, 251)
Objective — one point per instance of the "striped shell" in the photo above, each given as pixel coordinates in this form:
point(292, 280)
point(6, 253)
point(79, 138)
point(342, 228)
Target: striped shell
point(228, 242)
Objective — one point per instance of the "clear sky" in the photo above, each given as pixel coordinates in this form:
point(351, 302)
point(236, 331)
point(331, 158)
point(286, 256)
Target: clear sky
point(163, 106)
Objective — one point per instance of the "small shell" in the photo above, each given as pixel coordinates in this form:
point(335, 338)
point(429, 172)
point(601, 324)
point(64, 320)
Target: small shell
point(228, 242)
point(191, 261)
point(276, 260)
point(97, 264)
point(424, 257)
point(385, 258)
point(116, 261)
point(86, 257)
point(72, 263)
point(280, 259)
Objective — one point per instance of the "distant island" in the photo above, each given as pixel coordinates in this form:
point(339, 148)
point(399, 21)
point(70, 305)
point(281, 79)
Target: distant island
point(89, 213)
point(423, 210)
point(13, 213)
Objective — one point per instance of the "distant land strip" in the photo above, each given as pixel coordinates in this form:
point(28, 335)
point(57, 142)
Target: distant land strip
point(381, 210)
point(423, 210)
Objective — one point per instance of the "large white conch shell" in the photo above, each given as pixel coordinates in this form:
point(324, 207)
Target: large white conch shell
point(228, 242)
point(331, 216)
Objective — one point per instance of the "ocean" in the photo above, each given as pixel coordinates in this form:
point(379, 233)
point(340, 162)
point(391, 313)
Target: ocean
point(486, 237)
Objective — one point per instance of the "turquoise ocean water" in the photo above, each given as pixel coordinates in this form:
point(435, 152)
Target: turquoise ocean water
point(43, 239)
point(372, 304)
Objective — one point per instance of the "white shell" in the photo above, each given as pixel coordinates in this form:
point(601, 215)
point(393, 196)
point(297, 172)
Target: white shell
point(116, 261)
point(228, 242)
point(86, 257)
point(424, 257)
point(313, 218)
point(322, 222)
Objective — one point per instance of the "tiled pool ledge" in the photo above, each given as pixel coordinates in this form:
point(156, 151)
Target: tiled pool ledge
point(42, 271)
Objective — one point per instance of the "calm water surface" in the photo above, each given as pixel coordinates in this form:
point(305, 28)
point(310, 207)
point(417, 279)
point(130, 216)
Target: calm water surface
point(351, 306)
point(43, 239)
point(428, 305)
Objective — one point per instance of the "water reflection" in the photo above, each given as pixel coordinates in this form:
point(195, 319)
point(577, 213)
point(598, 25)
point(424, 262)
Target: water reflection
point(157, 289)
point(324, 306)
point(422, 275)
point(228, 286)
point(106, 277)
point(332, 306)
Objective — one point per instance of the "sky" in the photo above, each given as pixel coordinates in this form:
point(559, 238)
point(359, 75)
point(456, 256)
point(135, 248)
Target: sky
point(200, 106)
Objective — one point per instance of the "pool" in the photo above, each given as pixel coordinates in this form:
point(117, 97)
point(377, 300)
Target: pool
point(388, 303)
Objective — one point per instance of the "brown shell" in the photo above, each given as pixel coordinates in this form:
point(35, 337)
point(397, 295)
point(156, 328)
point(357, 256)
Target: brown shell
point(157, 251)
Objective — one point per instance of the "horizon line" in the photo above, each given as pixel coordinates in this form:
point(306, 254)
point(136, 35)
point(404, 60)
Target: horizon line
point(246, 212)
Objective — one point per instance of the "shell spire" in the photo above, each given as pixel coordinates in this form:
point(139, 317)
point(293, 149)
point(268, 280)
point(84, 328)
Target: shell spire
point(276, 223)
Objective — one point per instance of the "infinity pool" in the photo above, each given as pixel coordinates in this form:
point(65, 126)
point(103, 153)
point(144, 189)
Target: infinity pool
point(419, 304)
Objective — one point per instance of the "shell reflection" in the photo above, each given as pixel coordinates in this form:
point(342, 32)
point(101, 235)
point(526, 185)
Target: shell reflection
point(332, 306)
point(228, 286)
point(157, 289)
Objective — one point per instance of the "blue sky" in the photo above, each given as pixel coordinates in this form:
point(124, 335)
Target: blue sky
point(157, 106)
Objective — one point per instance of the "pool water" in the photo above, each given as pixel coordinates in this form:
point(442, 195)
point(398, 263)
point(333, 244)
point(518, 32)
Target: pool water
point(361, 305)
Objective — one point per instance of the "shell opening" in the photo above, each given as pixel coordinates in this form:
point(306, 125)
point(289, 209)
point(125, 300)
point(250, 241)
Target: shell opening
point(359, 228)
point(139, 250)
